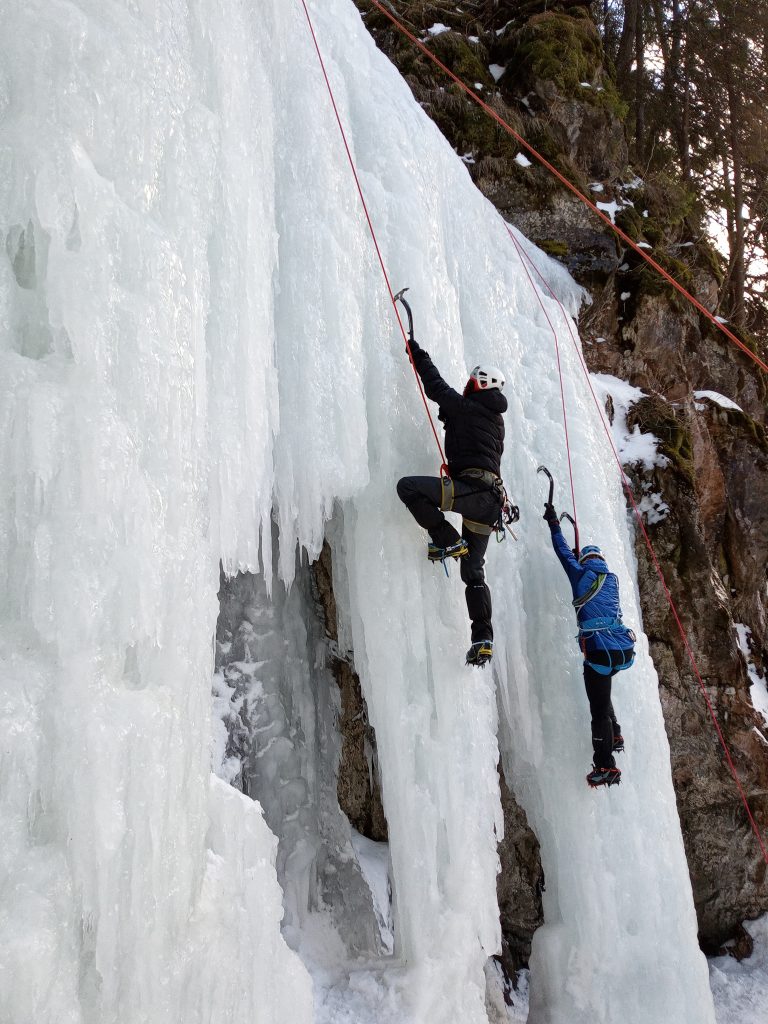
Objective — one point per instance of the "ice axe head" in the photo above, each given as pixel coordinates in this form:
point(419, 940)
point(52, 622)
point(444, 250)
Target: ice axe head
point(543, 469)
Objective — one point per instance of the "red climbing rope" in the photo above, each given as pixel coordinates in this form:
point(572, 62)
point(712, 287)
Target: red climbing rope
point(649, 545)
point(443, 465)
point(571, 187)
point(559, 367)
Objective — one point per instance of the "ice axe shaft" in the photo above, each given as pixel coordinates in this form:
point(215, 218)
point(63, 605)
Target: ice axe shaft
point(572, 521)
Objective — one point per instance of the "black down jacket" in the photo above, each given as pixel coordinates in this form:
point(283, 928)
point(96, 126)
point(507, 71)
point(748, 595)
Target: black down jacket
point(474, 429)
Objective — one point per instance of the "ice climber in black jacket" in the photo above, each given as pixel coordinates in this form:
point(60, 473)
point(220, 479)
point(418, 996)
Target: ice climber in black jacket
point(474, 442)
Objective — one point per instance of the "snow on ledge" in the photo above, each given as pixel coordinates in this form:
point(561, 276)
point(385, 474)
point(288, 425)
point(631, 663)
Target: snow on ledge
point(758, 690)
point(634, 447)
point(718, 399)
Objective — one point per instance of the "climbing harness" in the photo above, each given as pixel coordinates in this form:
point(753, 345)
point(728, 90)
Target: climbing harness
point(571, 187)
point(508, 513)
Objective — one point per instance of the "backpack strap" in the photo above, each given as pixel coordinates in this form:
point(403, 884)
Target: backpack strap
point(593, 591)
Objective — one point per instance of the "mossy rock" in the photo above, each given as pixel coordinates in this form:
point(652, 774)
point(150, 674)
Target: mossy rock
point(650, 282)
point(753, 432)
point(557, 48)
point(465, 59)
point(630, 222)
point(655, 416)
point(552, 247)
point(565, 49)
point(709, 259)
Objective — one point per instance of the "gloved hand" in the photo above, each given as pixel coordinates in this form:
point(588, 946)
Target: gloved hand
point(550, 515)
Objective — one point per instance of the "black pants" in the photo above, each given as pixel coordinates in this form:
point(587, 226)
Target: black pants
point(604, 724)
point(472, 499)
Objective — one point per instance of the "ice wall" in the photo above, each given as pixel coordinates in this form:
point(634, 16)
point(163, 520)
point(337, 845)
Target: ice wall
point(193, 331)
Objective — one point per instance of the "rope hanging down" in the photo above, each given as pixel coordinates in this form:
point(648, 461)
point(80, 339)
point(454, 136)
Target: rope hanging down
point(571, 187)
point(659, 571)
point(443, 465)
point(559, 373)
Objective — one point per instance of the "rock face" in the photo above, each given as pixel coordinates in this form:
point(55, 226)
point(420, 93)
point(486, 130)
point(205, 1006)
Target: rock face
point(357, 787)
point(540, 65)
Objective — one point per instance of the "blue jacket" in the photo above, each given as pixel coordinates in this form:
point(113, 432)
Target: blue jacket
point(604, 606)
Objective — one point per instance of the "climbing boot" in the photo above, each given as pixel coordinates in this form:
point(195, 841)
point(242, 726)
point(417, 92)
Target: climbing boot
point(480, 653)
point(603, 777)
point(457, 550)
point(618, 744)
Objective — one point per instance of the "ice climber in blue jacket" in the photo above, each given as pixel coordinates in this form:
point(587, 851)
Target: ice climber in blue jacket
point(607, 644)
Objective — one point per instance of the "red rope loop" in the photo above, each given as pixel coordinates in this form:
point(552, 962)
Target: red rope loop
point(372, 231)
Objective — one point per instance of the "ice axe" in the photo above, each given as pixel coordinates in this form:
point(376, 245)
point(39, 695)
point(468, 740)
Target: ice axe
point(399, 298)
point(572, 521)
point(564, 515)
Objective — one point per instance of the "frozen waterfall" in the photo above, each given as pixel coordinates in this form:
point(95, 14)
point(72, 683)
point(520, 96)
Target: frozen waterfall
point(194, 335)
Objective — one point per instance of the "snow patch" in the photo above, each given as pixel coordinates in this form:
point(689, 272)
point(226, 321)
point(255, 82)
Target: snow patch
point(373, 859)
point(634, 447)
point(718, 399)
point(437, 29)
point(497, 70)
point(522, 160)
point(740, 988)
point(758, 690)
point(653, 507)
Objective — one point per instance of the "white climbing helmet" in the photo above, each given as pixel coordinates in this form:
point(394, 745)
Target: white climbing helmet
point(484, 377)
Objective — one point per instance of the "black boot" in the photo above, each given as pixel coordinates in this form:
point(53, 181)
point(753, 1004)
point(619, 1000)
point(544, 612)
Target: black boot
point(480, 653)
point(603, 777)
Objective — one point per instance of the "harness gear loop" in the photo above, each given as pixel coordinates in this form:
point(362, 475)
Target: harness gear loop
point(447, 494)
point(480, 528)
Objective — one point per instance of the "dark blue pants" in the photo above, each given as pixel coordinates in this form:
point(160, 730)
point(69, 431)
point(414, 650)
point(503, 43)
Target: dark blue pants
point(422, 495)
point(604, 724)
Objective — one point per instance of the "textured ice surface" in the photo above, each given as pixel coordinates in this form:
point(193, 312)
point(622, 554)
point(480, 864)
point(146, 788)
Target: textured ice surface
point(193, 331)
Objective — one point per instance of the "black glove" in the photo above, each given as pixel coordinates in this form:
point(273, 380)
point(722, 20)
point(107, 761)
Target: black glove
point(550, 515)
